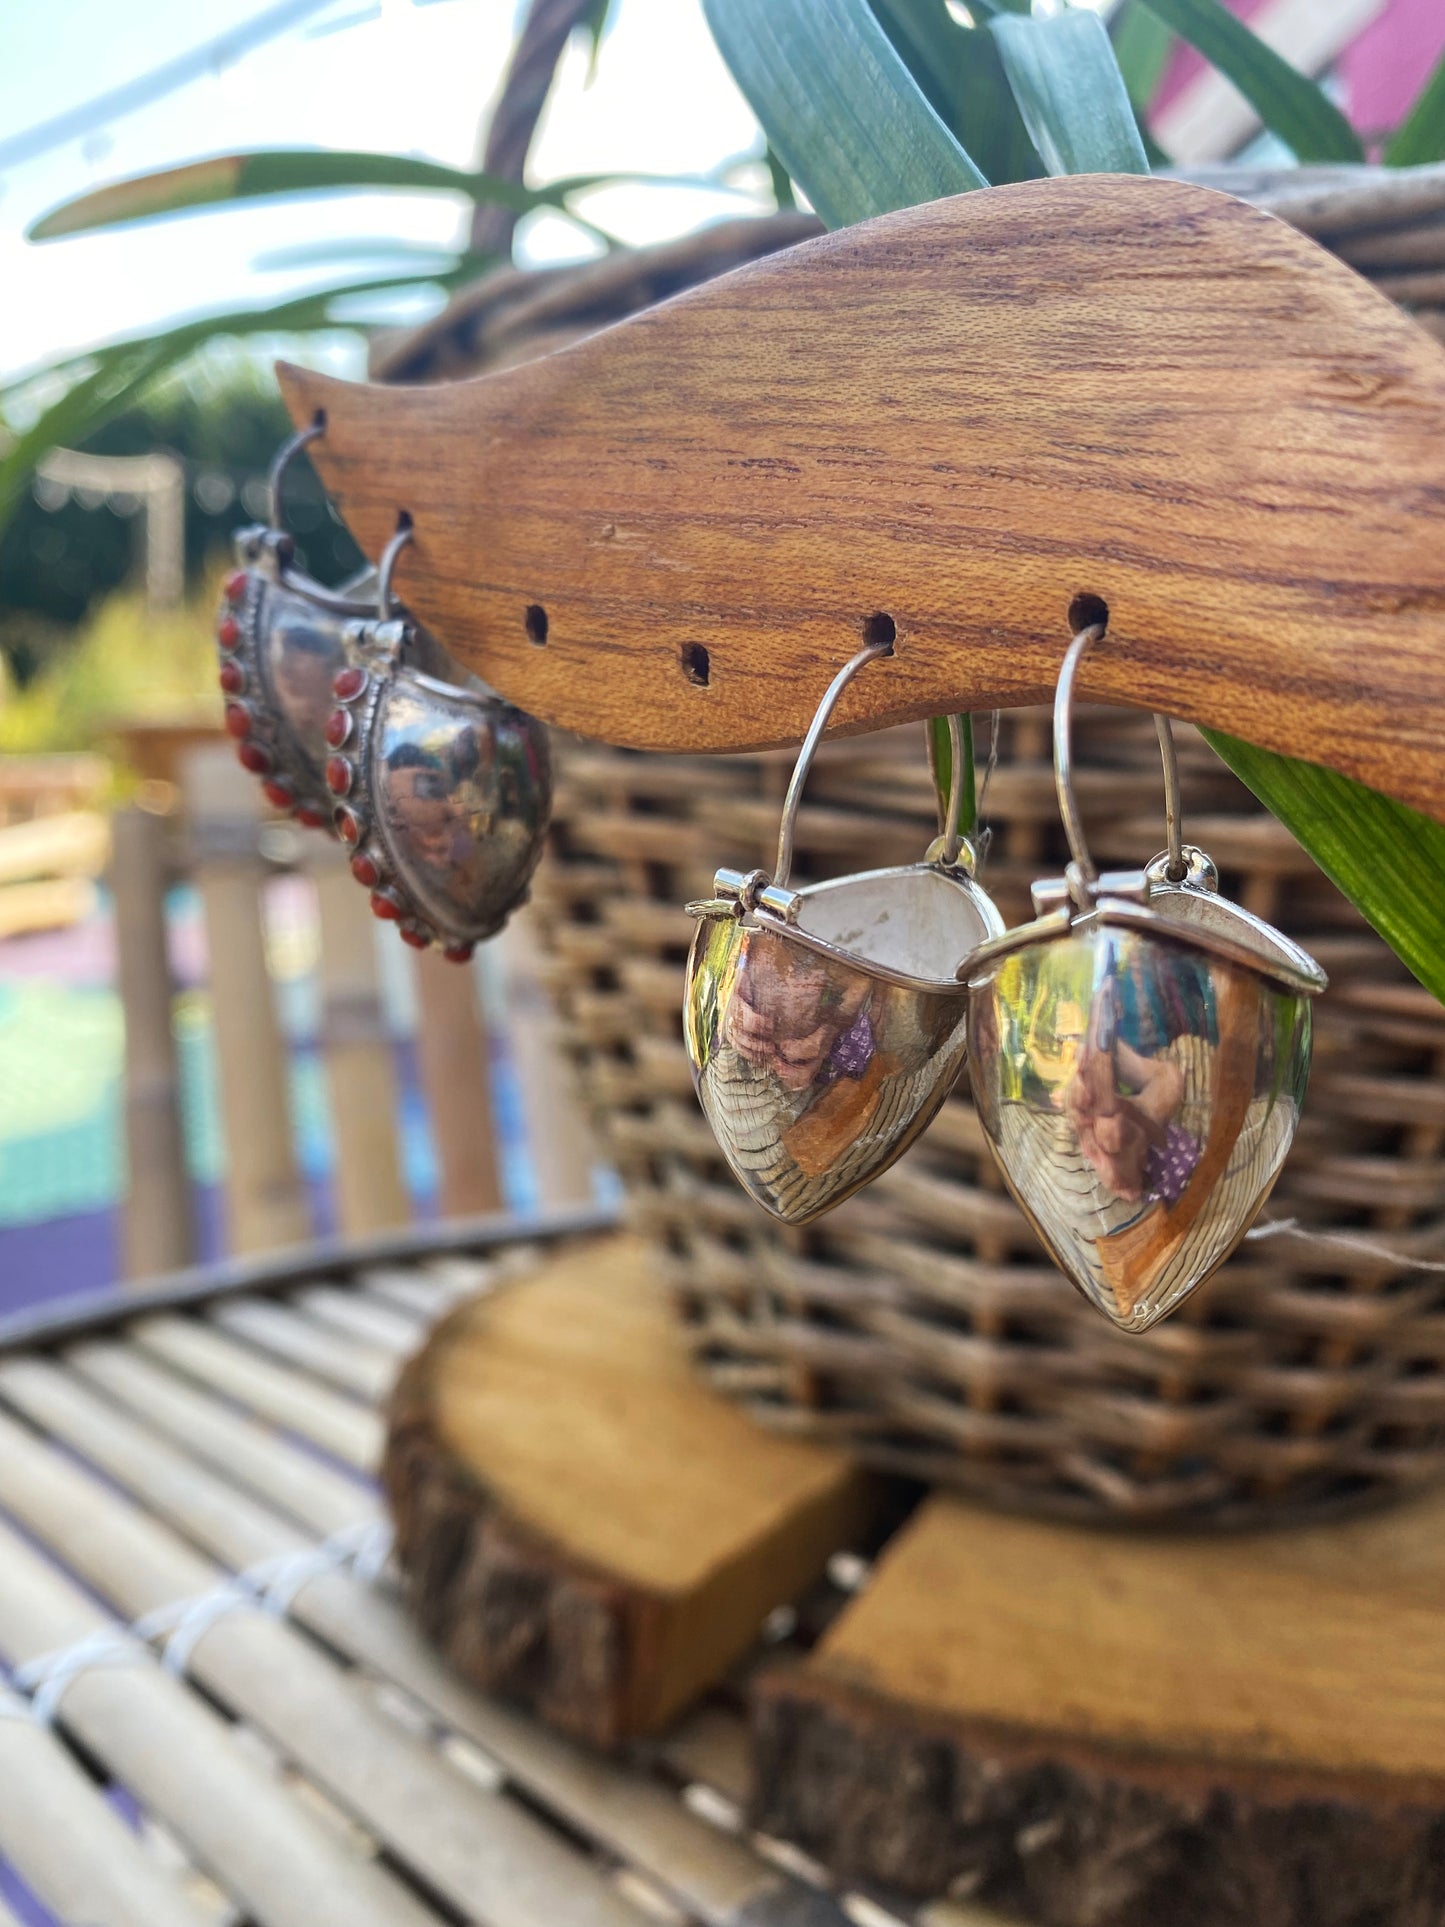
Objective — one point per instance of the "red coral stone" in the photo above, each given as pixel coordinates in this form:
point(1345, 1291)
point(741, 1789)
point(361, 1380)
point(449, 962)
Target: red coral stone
point(228, 632)
point(413, 934)
point(347, 684)
point(235, 586)
point(251, 756)
point(338, 728)
point(280, 794)
point(313, 819)
point(348, 826)
point(385, 907)
point(339, 775)
point(459, 952)
point(233, 678)
point(366, 870)
point(238, 721)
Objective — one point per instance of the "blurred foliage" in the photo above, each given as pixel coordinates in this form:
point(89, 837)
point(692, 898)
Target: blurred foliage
point(128, 662)
point(224, 421)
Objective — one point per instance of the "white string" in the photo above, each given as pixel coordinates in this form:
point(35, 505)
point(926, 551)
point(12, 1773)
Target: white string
point(46, 1677)
point(271, 1585)
point(1341, 1241)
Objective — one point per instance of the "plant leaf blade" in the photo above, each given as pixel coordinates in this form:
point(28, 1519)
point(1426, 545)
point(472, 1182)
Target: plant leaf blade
point(1069, 89)
point(1387, 859)
point(1420, 137)
point(839, 106)
point(1287, 101)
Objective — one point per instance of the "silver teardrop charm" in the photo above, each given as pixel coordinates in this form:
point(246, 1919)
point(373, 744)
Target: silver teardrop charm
point(825, 1025)
point(1138, 1059)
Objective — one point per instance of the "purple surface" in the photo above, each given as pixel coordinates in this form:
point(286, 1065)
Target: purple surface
point(22, 1903)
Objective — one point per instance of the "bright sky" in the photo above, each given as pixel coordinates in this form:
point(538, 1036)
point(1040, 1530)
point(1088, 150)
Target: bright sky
point(401, 76)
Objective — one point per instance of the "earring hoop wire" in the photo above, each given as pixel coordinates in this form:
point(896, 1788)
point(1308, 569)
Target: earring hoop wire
point(284, 457)
point(1177, 867)
point(386, 569)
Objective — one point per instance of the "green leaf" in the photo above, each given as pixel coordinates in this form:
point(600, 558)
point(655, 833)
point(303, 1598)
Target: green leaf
point(1388, 860)
point(591, 27)
point(940, 761)
point(838, 105)
point(1420, 137)
point(1288, 102)
point(226, 178)
point(959, 70)
point(1142, 46)
point(784, 199)
point(1070, 92)
point(116, 374)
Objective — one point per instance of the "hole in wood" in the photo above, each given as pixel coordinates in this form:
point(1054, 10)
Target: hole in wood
point(880, 628)
point(1086, 611)
point(696, 664)
point(403, 520)
point(535, 623)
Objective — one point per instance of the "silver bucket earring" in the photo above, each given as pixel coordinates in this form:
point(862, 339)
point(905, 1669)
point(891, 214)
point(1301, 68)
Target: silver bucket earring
point(282, 638)
point(442, 790)
point(825, 1025)
point(1138, 1058)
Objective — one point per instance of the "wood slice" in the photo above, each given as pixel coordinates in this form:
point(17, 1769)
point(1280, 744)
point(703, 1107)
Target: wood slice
point(584, 1526)
point(1118, 1731)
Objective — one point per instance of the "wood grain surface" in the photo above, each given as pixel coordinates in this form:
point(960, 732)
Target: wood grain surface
point(1226, 1731)
point(584, 1525)
point(959, 417)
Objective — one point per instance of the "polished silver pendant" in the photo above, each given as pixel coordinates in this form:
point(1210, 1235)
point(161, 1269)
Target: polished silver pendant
point(826, 1025)
point(282, 640)
point(1138, 1060)
point(442, 791)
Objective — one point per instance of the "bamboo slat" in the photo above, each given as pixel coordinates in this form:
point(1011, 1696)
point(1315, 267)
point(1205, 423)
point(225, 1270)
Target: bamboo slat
point(641, 1821)
point(71, 1847)
point(348, 1363)
point(299, 1484)
point(355, 1314)
point(160, 1457)
point(179, 1759)
point(284, 1396)
point(486, 1858)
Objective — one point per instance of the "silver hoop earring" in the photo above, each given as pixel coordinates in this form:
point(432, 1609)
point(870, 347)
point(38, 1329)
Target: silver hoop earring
point(825, 1025)
point(1138, 1056)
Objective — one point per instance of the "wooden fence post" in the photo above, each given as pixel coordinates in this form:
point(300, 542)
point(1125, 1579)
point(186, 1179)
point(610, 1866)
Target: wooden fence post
point(559, 1136)
point(266, 1203)
point(361, 1079)
point(157, 1228)
point(455, 1075)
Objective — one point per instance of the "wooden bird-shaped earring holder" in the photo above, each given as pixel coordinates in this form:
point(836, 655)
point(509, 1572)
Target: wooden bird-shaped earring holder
point(948, 424)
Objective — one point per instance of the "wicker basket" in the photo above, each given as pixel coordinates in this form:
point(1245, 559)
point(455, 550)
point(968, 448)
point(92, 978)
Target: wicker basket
point(920, 1324)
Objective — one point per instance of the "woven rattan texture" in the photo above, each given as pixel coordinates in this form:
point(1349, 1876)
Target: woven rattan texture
point(920, 1323)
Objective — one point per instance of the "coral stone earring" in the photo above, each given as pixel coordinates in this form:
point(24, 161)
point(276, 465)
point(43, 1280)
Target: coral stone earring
point(282, 639)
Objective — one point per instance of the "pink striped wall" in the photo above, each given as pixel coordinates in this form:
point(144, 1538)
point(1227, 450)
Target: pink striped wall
point(1380, 73)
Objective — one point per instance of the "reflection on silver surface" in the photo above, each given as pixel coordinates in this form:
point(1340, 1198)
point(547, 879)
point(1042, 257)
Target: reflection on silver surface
point(299, 648)
point(461, 791)
point(1140, 1090)
point(821, 1051)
